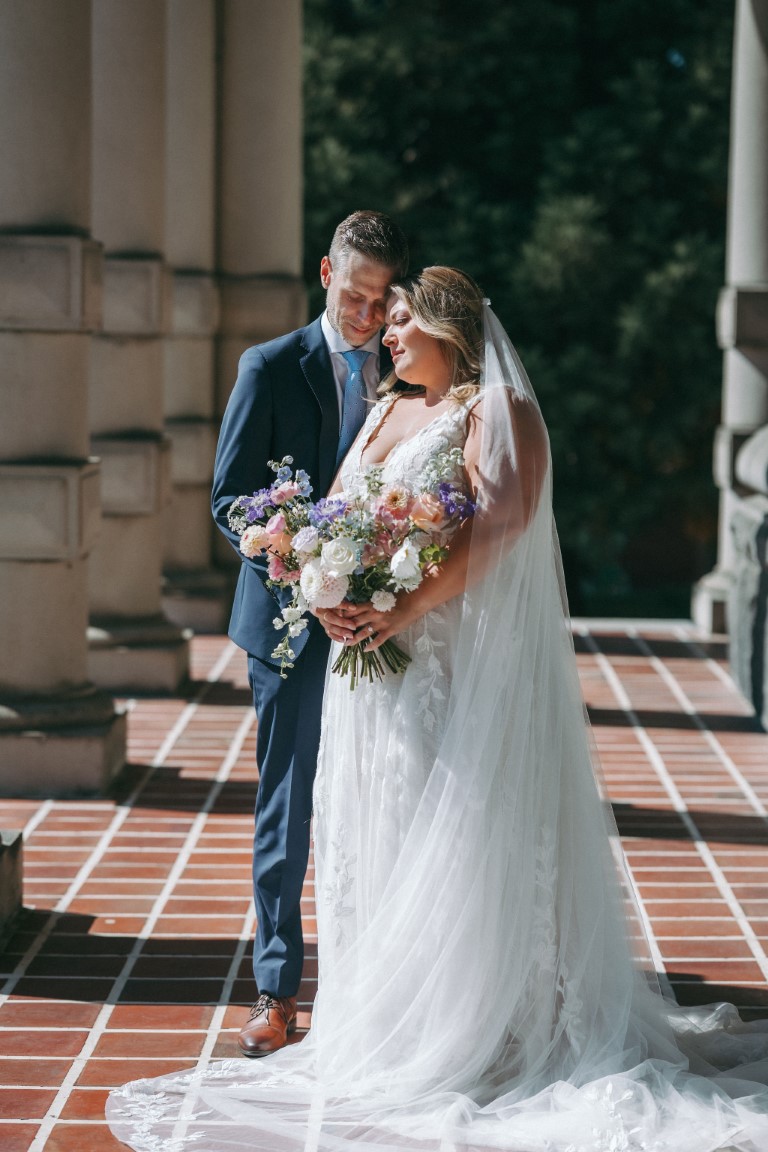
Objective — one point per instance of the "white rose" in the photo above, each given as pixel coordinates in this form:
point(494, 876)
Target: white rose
point(305, 539)
point(404, 565)
point(383, 601)
point(320, 589)
point(339, 556)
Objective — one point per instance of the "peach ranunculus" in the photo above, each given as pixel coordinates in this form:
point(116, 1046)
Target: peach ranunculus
point(396, 501)
point(278, 538)
point(280, 543)
point(427, 512)
point(254, 540)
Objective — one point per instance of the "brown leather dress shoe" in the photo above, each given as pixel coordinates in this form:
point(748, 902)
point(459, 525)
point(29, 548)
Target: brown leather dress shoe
point(271, 1021)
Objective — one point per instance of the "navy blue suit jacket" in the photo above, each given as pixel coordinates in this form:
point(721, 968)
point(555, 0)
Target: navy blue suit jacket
point(284, 403)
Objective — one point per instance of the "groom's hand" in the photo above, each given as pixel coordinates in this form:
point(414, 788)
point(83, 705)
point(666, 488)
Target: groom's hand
point(338, 623)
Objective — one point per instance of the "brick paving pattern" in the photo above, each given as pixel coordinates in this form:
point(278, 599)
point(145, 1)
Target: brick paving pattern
point(132, 955)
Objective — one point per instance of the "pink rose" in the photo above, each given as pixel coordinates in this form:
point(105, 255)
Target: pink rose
point(276, 524)
point(285, 491)
point(428, 513)
point(275, 567)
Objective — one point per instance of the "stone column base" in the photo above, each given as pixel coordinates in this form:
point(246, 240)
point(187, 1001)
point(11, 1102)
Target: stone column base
point(709, 601)
point(748, 603)
point(199, 599)
point(11, 876)
point(60, 745)
point(140, 654)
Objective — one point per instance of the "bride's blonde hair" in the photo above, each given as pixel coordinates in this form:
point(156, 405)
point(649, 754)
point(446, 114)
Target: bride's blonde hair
point(448, 305)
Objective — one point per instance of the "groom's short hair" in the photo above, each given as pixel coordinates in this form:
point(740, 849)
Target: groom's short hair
point(374, 235)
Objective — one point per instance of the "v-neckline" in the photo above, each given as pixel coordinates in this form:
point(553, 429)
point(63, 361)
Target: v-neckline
point(400, 443)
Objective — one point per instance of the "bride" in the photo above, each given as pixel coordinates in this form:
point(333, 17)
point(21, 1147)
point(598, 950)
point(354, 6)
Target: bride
point(483, 978)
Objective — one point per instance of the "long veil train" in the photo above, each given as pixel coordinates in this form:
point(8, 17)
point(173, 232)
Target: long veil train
point(489, 993)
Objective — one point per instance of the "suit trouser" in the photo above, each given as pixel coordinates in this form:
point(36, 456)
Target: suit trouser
point(287, 741)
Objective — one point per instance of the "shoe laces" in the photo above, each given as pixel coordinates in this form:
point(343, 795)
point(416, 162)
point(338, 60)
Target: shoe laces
point(266, 1004)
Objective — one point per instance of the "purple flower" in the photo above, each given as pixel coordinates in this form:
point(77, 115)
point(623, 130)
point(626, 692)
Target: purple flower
point(455, 501)
point(258, 505)
point(326, 511)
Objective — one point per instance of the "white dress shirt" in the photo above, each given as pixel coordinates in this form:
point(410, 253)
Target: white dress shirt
point(336, 345)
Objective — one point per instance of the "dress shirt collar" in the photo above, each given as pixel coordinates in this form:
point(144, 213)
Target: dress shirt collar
point(336, 342)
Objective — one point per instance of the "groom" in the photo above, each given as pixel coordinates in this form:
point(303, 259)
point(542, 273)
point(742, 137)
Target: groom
point(302, 395)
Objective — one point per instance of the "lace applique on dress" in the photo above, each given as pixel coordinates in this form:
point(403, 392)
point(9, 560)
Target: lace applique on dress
point(338, 885)
point(432, 678)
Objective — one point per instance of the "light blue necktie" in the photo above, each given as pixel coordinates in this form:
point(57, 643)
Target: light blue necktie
point(354, 409)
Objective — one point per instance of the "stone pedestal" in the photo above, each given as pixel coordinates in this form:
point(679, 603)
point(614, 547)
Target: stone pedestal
point(11, 874)
point(748, 602)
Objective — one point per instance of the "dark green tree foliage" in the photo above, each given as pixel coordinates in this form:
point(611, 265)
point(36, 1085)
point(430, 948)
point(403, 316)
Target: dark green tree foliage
point(572, 156)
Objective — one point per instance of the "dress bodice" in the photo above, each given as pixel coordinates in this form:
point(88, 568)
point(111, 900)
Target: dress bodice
point(408, 459)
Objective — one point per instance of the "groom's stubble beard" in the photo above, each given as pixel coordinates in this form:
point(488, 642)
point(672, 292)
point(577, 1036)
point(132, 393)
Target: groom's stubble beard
point(366, 278)
point(342, 323)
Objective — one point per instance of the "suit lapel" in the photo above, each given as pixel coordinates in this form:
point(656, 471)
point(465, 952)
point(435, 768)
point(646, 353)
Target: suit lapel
point(318, 371)
point(316, 365)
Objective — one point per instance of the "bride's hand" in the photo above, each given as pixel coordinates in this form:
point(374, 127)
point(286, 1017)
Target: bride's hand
point(376, 627)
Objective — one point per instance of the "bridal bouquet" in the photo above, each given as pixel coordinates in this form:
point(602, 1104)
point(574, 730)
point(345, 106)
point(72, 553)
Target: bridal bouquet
point(366, 544)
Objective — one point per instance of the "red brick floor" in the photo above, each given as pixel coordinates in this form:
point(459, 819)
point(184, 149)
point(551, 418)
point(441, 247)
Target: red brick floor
point(132, 954)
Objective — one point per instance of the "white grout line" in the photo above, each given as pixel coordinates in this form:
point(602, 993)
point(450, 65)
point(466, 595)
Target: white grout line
point(121, 815)
point(99, 1026)
point(40, 815)
point(215, 1027)
point(684, 634)
point(122, 811)
point(702, 848)
point(700, 721)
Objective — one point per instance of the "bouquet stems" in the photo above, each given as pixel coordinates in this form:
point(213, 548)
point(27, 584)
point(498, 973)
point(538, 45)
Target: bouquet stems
point(355, 662)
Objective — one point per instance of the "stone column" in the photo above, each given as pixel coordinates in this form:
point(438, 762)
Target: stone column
point(58, 734)
point(11, 880)
point(260, 183)
point(742, 320)
point(133, 646)
point(195, 594)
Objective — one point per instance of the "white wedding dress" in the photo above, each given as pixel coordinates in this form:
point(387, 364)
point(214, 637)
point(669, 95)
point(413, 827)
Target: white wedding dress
point(476, 984)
